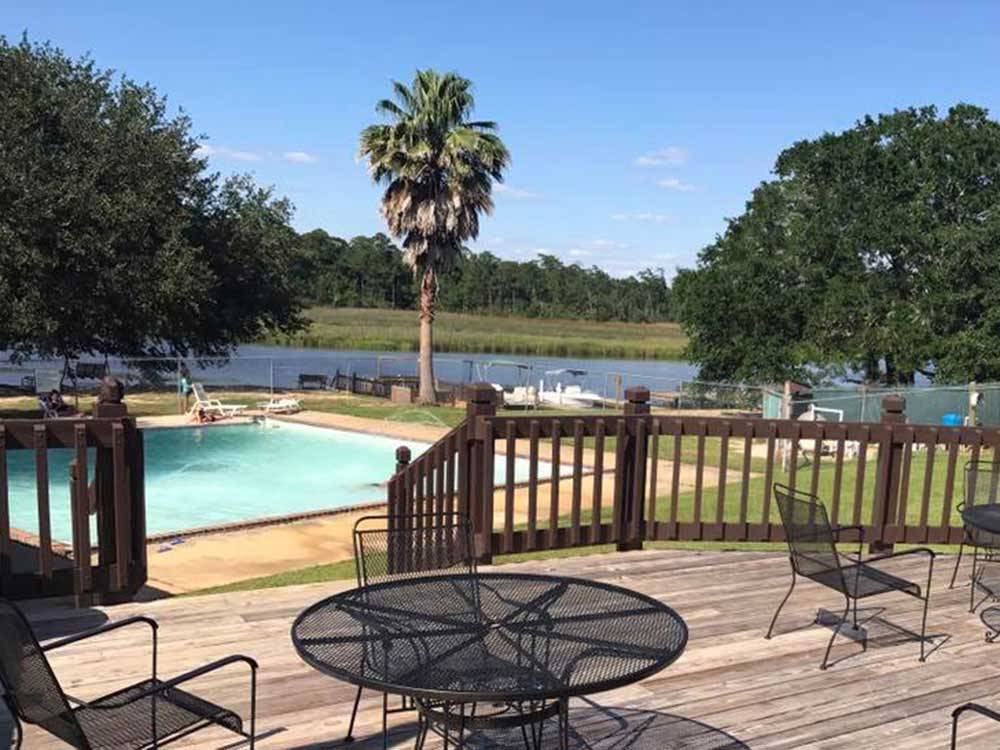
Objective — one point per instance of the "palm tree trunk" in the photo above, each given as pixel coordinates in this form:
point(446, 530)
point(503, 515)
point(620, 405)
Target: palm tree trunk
point(427, 289)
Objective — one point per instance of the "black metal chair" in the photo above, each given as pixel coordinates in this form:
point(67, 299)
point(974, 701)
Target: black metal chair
point(148, 714)
point(390, 548)
point(974, 708)
point(981, 487)
point(812, 547)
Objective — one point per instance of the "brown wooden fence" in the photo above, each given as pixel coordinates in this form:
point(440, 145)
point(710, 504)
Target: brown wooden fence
point(382, 387)
point(636, 476)
point(110, 567)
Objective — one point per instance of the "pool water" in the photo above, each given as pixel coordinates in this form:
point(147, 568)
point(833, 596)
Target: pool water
point(202, 476)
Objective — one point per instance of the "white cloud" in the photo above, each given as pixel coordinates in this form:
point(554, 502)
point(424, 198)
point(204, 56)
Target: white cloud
point(664, 157)
point(205, 150)
point(644, 216)
point(579, 252)
point(299, 157)
point(608, 244)
point(672, 183)
point(512, 192)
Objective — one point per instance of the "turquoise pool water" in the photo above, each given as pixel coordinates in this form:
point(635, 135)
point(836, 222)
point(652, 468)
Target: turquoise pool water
point(201, 476)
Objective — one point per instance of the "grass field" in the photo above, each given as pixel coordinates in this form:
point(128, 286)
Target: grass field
point(147, 404)
point(397, 330)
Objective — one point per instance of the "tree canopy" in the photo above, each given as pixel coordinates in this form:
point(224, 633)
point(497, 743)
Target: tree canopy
point(371, 272)
point(873, 252)
point(114, 239)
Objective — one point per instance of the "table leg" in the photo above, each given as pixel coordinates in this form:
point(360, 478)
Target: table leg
point(385, 721)
point(564, 724)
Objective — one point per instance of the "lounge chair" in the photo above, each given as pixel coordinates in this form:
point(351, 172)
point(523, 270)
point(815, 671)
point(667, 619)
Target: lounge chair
point(283, 405)
point(813, 553)
point(211, 406)
point(148, 714)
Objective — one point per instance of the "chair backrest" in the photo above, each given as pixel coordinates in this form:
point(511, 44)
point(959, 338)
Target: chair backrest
point(199, 392)
point(31, 687)
point(811, 543)
point(388, 548)
point(982, 483)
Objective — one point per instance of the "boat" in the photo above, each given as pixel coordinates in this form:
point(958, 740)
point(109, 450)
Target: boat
point(520, 396)
point(564, 387)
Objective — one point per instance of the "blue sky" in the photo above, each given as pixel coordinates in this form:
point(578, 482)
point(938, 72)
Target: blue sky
point(635, 128)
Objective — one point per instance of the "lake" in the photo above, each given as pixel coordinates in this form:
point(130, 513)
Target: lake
point(260, 365)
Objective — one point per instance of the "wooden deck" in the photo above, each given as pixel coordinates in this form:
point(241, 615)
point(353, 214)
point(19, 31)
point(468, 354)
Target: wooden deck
point(730, 689)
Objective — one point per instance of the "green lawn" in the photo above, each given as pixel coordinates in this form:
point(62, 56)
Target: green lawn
point(397, 330)
point(147, 404)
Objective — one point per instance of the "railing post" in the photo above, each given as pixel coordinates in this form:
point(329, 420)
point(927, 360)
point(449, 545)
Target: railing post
point(402, 458)
point(633, 478)
point(481, 403)
point(887, 479)
point(109, 405)
point(397, 507)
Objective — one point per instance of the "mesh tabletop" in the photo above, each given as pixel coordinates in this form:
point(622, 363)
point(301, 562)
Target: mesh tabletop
point(490, 637)
point(985, 517)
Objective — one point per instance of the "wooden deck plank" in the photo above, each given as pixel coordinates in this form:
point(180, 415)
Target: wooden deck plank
point(766, 694)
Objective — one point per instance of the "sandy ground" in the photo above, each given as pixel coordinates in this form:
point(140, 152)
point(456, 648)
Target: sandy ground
point(219, 558)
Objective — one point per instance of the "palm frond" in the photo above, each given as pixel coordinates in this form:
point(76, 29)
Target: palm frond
point(438, 167)
point(390, 108)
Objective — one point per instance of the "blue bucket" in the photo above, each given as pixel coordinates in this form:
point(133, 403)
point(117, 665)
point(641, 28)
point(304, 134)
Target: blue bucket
point(951, 419)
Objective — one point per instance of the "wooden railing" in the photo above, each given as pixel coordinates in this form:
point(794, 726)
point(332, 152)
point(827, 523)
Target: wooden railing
point(635, 476)
point(110, 567)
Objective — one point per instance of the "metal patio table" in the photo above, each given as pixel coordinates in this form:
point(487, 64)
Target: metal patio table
point(490, 650)
point(984, 518)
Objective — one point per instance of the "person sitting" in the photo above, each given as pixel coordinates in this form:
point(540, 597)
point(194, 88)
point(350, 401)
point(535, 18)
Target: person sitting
point(203, 417)
point(57, 405)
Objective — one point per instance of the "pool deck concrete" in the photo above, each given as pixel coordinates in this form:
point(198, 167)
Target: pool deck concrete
point(237, 553)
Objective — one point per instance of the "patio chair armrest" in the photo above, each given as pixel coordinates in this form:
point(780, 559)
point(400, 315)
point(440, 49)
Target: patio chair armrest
point(203, 670)
point(138, 619)
point(850, 527)
point(893, 555)
point(975, 708)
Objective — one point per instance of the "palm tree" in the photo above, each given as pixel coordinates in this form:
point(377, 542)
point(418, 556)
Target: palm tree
point(438, 167)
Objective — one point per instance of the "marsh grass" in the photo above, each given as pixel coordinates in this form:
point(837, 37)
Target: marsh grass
point(397, 330)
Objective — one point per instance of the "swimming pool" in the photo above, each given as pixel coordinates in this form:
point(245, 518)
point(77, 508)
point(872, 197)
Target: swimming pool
point(203, 476)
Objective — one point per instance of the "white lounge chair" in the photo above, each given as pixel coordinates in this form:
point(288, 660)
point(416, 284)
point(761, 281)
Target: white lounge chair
point(283, 405)
point(211, 405)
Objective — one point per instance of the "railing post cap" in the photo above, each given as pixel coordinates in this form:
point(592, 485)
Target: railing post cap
point(893, 404)
point(403, 454)
point(482, 393)
point(637, 394)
